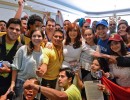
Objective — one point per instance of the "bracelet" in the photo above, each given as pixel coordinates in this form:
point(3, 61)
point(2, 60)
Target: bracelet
point(39, 89)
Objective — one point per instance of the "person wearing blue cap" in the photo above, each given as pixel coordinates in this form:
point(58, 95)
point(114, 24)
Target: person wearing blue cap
point(101, 29)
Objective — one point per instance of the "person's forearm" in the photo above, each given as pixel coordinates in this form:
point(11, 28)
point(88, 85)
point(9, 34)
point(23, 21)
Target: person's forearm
point(123, 61)
point(52, 93)
point(14, 74)
point(79, 82)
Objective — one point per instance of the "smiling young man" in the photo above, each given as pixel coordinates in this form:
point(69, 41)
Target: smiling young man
point(9, 44)
point(101, 29)
point(52, 60)
point(65, 81)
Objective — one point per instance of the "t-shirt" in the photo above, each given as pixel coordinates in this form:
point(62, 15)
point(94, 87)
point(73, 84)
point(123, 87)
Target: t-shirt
point(53, 61)
point(104, 47)
point(86, 58)
point(26, 65)
point(73, 93)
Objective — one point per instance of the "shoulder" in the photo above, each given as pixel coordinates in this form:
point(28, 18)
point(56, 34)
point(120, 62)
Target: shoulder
point(73, 93)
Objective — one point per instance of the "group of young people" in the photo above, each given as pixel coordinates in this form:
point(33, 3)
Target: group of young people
point(47, 61)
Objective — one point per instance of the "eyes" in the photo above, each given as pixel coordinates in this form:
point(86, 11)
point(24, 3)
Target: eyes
point(17, 30)
point(56, 36)
point(36, 36)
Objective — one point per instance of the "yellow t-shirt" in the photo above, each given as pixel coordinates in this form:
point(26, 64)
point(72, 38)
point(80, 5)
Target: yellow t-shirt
point(53, 61)
point(73, 93)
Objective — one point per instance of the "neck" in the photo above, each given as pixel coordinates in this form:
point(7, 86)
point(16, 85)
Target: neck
point(28, 33)
point(9, 41)
point(37, 48)
point(58, 47)
point(72, 40)
point(91, 43)
point(104, 38)
point(119, 53)
point(49, 35)
point(66, 87)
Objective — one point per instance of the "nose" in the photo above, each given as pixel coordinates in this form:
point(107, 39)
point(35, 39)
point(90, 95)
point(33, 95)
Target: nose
point(14, 30)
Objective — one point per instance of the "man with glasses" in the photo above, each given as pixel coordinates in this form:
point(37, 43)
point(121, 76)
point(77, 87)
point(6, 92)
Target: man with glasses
point(9, 44)
point(52, 60)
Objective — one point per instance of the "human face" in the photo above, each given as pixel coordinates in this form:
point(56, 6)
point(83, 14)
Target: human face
point(73, 33)
point(50, 27)
point(37, 38)
point(13, 32)
point(94, 25)
point(37, 24)
point(2, 27)
point(122, 30)
point(30, 93)
point(58, 27)
point(95, 66)
point(24, 26)
point(66, 24)
point(102, 31)
point(112, 26)
point(115, 46)
point(89, 36)
point(57, 38)
point(86, 25)
point(63, 80)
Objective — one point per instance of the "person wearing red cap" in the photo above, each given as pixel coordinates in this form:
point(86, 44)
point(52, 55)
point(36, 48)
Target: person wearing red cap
point(117, 48)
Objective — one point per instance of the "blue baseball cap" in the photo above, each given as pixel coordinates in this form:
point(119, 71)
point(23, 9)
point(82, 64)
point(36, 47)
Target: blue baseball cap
point(102, 22)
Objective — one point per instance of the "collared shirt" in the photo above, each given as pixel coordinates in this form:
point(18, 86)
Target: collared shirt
point(53, 58)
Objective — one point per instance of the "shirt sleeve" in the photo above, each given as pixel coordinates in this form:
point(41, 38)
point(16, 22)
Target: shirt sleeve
point(46, 55)
point(17, 62)
point(87, 49)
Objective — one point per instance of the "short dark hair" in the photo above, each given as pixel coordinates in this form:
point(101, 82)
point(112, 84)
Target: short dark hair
point(13, 21)
point(69, 73)
point(32, 19)
point(51, 20)
point(36, 80)
point(3, 21)
point(59, 31)
point(23, 18)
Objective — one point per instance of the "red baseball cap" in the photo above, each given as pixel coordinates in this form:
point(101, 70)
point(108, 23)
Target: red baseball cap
point(115, 37)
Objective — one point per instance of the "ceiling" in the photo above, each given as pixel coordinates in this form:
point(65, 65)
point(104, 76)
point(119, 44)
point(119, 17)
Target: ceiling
point(80, 8)
point(90, 7)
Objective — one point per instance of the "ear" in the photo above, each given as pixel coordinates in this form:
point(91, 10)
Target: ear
point(70, 79)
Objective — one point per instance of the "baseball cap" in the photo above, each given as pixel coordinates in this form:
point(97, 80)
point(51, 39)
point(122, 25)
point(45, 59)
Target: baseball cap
point(115, 37)
point(102, 22)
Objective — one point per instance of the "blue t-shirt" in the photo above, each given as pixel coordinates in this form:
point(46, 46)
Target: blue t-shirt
point(104, 47)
